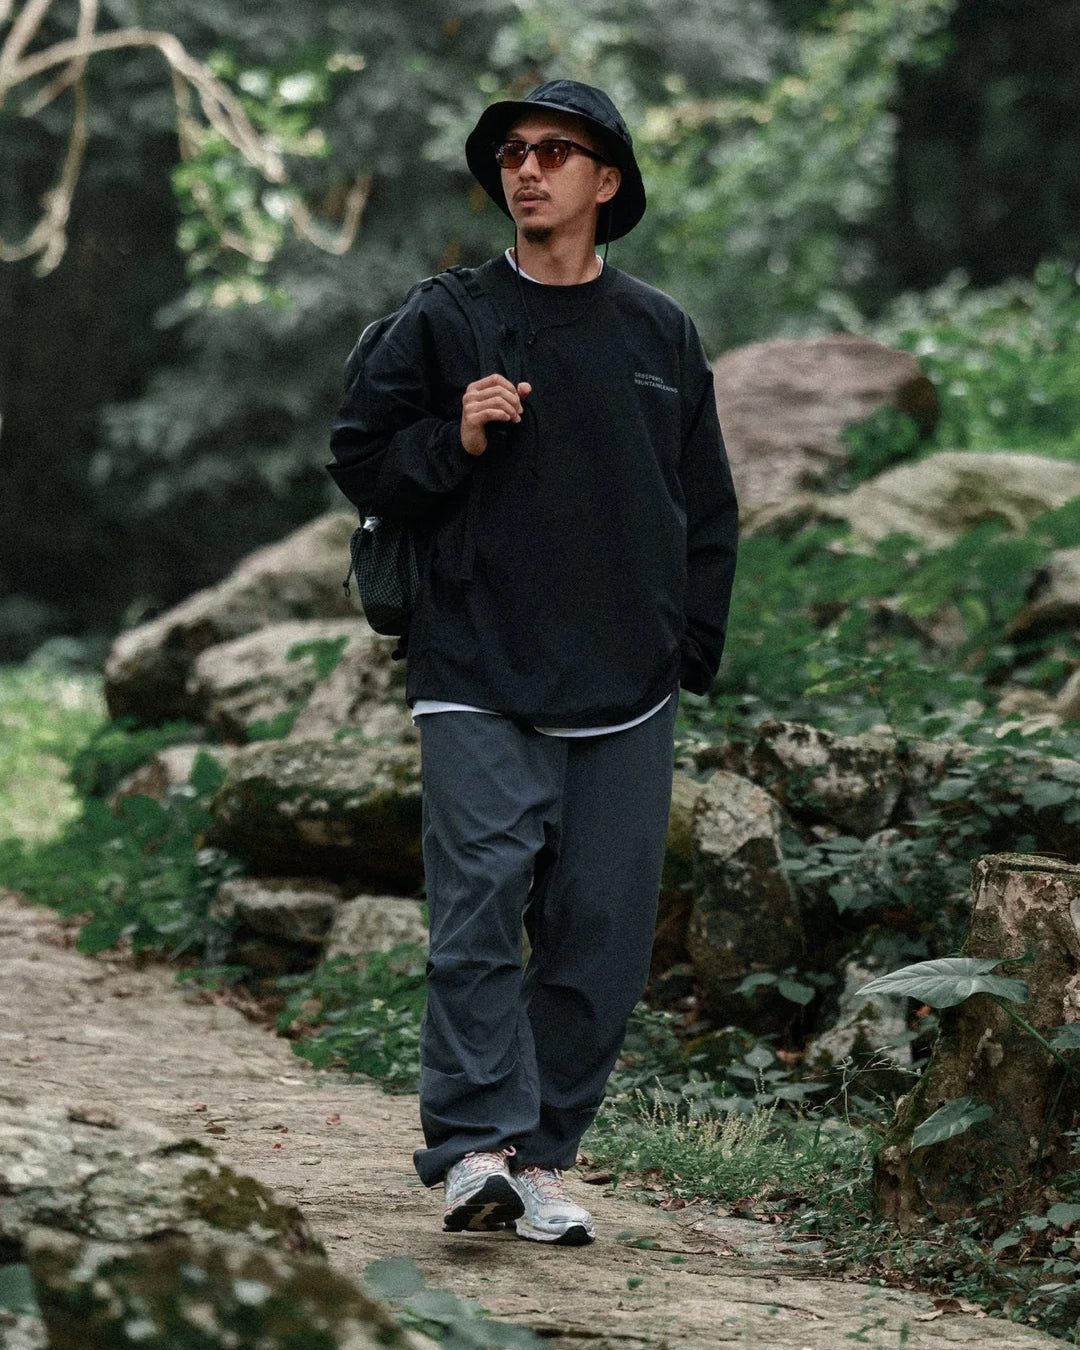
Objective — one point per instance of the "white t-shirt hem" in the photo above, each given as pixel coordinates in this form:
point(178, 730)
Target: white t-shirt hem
point(424, 707)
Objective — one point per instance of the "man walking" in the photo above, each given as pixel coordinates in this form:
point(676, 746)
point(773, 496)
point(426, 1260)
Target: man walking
point(575, 524)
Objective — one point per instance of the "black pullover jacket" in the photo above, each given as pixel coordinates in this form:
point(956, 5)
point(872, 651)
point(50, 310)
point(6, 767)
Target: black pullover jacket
point(581, 568)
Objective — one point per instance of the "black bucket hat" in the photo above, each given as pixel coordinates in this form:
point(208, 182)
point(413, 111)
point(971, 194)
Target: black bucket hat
point(617, 217)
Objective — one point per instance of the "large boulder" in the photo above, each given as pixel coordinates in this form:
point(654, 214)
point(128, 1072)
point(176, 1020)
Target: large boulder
point(851, 782)
point(344, 808)
point(676, 887)
point(783, 406)
point(305, 678)
point(745, 917)
point(375, 923)
point(147, 671)
point(274, 924)
point(125, 1236)
point(942, 496)
point(1054, 602)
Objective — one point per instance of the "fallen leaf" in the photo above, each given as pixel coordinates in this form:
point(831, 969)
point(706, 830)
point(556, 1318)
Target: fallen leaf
point(928, 1316)
point(212, 1127)
point(334, 1118)
point(277, 1144)
point(199, 1106)
point(596, 1178)
point(673, 1202)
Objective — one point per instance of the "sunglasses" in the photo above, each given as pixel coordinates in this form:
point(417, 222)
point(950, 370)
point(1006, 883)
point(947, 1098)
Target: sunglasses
point(550, 154)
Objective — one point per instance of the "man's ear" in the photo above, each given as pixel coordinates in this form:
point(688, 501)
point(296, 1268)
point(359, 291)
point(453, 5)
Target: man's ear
point(606, 188)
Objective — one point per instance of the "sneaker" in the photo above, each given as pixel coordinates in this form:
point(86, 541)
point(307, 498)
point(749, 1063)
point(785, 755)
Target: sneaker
point(480, 1195)
point(550, 1214)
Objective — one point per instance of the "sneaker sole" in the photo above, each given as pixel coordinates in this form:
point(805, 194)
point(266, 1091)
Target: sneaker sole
point(577, 1235)
point(495, 1205)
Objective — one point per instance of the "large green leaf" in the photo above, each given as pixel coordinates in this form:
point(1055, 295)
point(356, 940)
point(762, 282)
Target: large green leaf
point(954, 1118)
point(1066, 1037)
point(949, 980)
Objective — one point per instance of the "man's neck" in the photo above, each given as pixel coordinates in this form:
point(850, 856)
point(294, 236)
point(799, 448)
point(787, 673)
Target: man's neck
point(558, 262)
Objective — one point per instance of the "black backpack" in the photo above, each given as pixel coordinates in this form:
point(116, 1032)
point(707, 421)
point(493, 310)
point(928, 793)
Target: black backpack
point(383, 552)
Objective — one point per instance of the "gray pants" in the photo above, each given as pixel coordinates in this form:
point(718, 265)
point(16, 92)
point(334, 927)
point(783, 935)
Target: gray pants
point(566, 836)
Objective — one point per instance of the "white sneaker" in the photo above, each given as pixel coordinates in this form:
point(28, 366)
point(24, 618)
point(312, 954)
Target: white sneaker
point(550, 1214)
point(480, 1194)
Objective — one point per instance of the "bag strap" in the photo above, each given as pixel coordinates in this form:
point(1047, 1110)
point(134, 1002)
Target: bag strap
point(473, 298)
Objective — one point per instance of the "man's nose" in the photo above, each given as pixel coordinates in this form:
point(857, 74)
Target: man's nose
point(530, 165)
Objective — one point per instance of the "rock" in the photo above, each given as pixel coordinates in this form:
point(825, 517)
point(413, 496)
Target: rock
point(783, 405)
point(135, 1237)
point(865, 1026)
point(1054, 602)
point(341, 809)
point(1006, 1165)
point(375, 923)
point(941, 496)
point(169, 769)
point(128, 1182)
point(305, 678)
point(1066, 707)
point(147, 671)
point(201, 1294)
point(276, 925)
point(852, 782)
point(745, 916)
point(676, 882)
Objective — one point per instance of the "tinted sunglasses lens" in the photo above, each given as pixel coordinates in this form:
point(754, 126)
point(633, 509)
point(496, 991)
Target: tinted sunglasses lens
point(511, 154)
point(551, 154)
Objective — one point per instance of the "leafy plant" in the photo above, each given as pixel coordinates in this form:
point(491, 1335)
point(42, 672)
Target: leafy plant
point(360, 1014)
point(138, 874)
point(457, 1324)
point(44, 716)
point(943, 984)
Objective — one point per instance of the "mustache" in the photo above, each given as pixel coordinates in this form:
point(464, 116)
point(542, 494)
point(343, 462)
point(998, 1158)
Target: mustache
point(531, 192)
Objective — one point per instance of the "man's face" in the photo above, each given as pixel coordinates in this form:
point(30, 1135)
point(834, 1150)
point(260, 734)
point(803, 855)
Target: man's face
point(543, 202)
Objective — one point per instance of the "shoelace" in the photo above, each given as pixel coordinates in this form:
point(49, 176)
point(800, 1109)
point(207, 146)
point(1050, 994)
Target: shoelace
point(547, 1182)
point(478, 1163)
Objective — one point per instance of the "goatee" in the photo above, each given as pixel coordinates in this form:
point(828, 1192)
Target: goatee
point(537, 234)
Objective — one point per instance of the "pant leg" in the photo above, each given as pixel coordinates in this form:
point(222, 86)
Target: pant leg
point(591, 923)
point(491, 792)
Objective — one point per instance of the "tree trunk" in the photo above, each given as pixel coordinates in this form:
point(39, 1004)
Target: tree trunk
point(1022, 906)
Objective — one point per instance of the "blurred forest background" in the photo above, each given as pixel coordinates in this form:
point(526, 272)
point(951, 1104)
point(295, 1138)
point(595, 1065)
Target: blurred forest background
point(166, 383)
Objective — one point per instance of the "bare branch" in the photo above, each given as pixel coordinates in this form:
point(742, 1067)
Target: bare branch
point(88, 12)
point(223, 112)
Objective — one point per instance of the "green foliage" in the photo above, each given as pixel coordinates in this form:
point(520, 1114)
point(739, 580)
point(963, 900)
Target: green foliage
point(756, 1160)
point(1005, 360)
point(118, 747)
point(360, 1014)
point(44, 715)
point(948, 981)
point(457, 1324)
point(955, 1117)
point(137, 874)
point(848, 637)
point(885, 438)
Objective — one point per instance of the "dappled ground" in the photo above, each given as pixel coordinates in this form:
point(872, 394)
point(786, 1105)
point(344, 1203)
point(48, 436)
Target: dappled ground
point(107, 1033)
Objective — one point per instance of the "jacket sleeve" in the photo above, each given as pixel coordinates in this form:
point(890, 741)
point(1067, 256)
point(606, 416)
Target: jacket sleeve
point(397, 452)
point(712, 527)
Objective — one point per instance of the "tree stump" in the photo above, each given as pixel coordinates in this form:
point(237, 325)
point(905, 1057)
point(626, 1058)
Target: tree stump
point(1023, 906)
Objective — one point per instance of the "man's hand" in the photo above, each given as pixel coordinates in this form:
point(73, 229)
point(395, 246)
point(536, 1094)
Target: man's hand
point(492, 399)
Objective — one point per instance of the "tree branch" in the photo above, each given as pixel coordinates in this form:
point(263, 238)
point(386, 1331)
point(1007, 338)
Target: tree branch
point(219, 106)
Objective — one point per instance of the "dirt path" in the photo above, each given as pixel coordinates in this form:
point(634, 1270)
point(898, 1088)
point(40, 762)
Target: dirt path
point(76, 1030)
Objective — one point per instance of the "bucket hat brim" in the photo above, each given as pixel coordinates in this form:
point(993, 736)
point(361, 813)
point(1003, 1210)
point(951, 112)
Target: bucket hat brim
point(617, 217)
